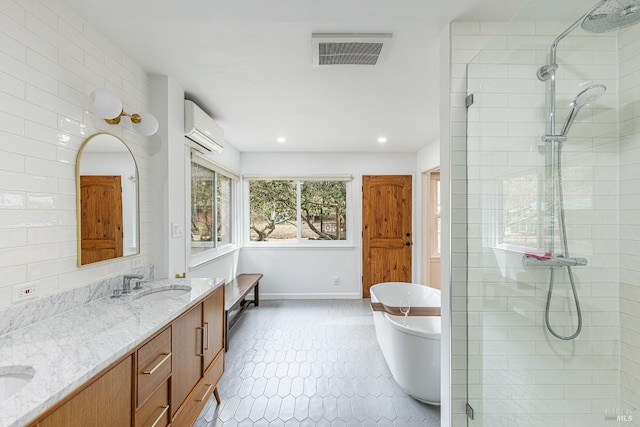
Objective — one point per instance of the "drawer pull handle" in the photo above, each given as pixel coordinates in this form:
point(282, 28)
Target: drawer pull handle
point(204, 395)
point(162, 414)
point(152, 370)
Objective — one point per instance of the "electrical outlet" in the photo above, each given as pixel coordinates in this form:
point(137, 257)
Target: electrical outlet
point(24, 291)
point(336, 280)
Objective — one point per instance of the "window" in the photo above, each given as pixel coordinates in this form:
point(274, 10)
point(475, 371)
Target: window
point(211, 207)
point(435, 222)
point(297, 210)
point(513, 212)
point(521, 212)
point(223, 202)
point(323, 208)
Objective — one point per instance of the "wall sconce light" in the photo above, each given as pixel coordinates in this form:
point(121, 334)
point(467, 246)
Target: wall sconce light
point(108, 106)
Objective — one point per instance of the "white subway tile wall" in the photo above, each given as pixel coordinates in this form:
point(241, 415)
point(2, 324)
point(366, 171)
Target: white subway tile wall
point(518, 374)
point(629, 110)
point(51, 61)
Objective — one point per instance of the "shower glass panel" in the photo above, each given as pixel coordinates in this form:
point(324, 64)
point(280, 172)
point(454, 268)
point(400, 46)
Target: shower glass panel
point(518, 372)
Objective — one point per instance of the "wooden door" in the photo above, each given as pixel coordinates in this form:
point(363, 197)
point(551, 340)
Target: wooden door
point(100, 218)
point(386, 230)
point(213, 322)
point(104, 403)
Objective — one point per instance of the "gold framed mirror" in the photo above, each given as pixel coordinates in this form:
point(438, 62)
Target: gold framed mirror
point(107, 194)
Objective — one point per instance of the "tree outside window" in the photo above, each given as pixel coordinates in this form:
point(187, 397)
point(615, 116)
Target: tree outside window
point(295, 210)
point(223, 202)
point(211, 201)
point(272, 207)
point(323, 209)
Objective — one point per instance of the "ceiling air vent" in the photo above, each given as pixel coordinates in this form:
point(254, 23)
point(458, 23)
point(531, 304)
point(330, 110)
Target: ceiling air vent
point(349, 48)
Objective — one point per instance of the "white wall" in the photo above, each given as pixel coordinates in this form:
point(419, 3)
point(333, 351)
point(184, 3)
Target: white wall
point(51, 61)
point(447, 408)
point(429, 157)
point(170, 201)
point(309, 272)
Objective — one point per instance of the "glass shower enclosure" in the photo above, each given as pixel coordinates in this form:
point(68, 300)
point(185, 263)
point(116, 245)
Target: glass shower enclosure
point(553, 220)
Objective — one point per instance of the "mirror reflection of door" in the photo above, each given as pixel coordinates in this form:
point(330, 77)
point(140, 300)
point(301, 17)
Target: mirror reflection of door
point(100, 218)
point(107, 191)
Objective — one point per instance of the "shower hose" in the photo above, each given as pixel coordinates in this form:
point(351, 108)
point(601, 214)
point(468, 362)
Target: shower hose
point(565, 246)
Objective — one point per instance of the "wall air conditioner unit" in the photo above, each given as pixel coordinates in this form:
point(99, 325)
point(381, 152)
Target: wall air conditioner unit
point(205, 134)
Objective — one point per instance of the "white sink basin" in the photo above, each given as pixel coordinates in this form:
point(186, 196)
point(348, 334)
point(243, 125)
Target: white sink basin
point(13, 379)
point(162, 293)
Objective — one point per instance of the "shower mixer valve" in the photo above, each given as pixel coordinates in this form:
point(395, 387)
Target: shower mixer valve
point(553, 138)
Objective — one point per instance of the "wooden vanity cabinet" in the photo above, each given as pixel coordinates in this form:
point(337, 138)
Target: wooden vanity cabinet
point(106, 402)
point(166, 381)
point(199, 360)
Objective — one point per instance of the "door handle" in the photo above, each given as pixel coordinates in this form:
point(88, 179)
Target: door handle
point(201, 353)
point(206, 335)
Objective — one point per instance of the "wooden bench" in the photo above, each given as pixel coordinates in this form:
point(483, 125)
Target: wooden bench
point(234, 296)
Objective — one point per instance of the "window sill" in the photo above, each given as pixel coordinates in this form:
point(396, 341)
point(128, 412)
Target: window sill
point(202, 258)
point(310, 245)
point(507, 247)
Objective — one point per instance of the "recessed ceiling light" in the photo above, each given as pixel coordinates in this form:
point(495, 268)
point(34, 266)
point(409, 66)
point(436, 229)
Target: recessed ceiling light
point(281, 140)
point(382, 140)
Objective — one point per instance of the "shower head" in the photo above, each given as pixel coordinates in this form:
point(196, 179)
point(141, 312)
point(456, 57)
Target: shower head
point(585, 97)
point(588, 95)
point(611, 15)
point(607, 15)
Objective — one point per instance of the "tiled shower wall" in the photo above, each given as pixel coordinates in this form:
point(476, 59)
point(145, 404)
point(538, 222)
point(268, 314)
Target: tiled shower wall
point(518, 373)
point(629, 104)
point(51, 60)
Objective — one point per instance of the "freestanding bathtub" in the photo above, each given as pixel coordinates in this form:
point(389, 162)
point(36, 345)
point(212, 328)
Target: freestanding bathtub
point(412, 352)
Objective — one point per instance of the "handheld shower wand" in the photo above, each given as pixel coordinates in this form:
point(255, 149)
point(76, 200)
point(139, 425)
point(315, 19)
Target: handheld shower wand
point(584, 98)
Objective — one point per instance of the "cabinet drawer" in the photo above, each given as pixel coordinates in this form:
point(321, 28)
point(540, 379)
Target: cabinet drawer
point(154, 365)
point(200, 394)
point(155, 411)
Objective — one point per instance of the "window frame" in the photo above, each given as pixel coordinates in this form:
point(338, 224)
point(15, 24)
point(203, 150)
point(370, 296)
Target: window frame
point(493, 222)
point(435, 214)
point(218, 250)
point(299, 243)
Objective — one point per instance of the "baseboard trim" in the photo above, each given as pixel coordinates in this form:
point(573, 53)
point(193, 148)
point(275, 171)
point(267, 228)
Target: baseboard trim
point(311, 296)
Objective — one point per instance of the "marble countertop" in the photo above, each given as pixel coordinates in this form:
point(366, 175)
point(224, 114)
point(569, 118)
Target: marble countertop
point(66, 350)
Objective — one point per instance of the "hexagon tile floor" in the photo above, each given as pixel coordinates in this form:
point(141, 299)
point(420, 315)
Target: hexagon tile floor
point(310, 363)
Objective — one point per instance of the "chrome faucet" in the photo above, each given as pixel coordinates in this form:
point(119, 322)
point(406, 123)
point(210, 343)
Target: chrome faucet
point(126, 282)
